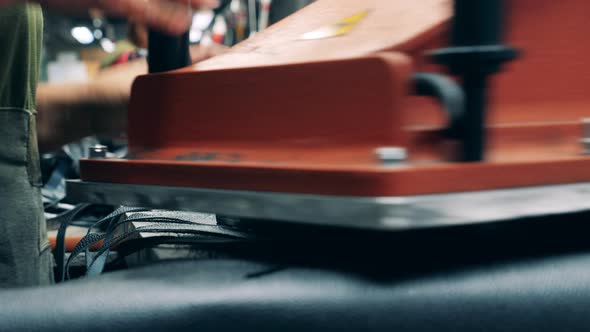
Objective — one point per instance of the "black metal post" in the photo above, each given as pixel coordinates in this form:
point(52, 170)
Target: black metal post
point(474, 136)
point(474, 54)
point(167, 52)
point(477, 22)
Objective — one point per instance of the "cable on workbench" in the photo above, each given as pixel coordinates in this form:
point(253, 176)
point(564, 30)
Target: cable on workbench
point(218, 235)
point(60, 248)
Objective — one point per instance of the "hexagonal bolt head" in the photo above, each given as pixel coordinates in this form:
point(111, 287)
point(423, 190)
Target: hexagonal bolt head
point(391, 155)
point(97, 152)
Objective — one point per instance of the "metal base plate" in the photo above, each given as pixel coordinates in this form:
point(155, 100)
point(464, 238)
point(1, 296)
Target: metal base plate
point(381, 213)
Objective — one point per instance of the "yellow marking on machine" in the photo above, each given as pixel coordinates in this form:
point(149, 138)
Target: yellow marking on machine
point(340, 28)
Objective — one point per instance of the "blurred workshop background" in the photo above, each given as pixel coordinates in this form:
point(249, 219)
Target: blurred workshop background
point(76, 48)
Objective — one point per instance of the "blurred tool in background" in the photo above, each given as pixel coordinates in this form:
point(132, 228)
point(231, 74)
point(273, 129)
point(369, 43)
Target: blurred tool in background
point(235, 20)
point(252, 17)
point(238, 18)
point(264, 14)
point(115, 38)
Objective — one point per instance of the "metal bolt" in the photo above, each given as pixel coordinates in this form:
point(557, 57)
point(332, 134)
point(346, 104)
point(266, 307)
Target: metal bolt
point(586, 135)
point(391, 155)
point(97, 152)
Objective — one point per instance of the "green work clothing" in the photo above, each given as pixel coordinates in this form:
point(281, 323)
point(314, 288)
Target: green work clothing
point(25, 254)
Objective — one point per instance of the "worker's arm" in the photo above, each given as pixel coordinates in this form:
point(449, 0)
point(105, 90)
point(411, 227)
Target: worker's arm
point(68, 112)
point(168, 15)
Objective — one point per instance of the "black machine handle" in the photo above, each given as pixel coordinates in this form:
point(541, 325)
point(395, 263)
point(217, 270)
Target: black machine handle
point(166, 52)
point(448, 93)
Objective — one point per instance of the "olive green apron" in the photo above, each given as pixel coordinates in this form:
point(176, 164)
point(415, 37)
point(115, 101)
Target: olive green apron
point(25, 257)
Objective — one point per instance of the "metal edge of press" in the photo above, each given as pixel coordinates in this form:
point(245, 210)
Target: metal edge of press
point(381, 213)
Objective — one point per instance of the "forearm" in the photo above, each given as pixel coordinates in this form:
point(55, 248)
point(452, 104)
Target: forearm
point(68, 112)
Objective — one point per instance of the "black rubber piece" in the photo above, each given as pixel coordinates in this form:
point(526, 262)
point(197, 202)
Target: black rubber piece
point(448, 93)
point(486, 59)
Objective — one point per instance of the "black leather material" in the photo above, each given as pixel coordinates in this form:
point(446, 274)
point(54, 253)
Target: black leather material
point(533, 294)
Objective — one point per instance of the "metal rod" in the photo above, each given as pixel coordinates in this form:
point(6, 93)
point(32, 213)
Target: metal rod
point(474, 136)
point(166, 52)
point(477, 22)
point(475, 53)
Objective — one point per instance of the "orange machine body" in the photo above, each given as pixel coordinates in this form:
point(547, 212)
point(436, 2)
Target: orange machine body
point(280, 113)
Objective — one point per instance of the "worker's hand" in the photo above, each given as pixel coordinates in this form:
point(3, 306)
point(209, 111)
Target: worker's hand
point(173, 16)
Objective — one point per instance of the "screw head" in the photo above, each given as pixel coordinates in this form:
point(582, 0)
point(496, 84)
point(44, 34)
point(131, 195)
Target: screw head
point(97, 151)
point(391, 155)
